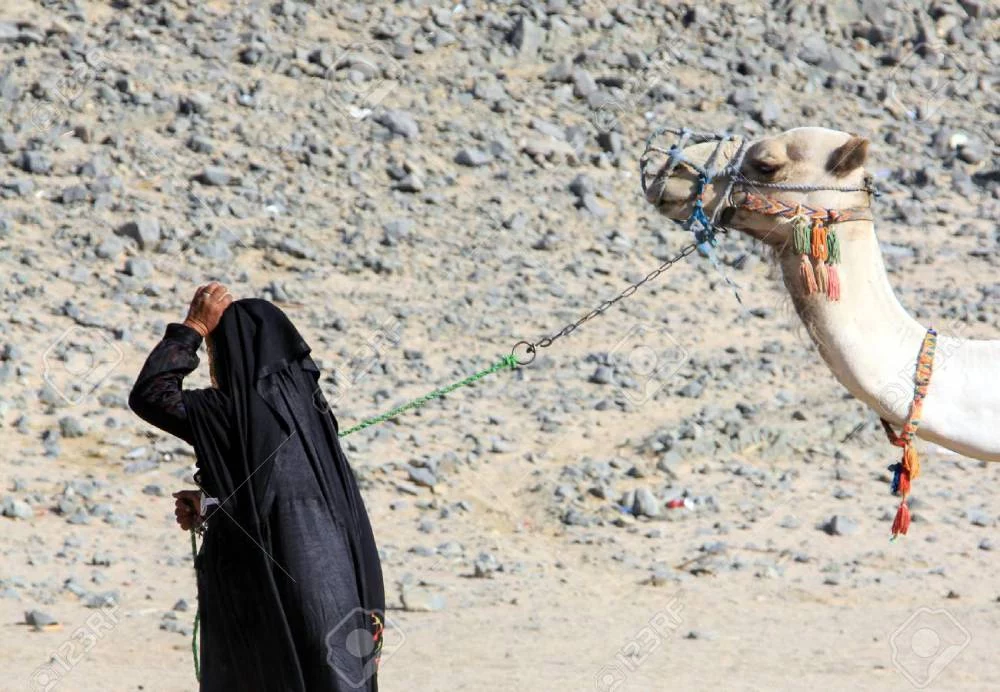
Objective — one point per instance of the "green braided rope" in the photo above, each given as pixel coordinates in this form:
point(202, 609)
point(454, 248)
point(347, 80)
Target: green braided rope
point(509, 361)
point(506, 362)
point(197, 618)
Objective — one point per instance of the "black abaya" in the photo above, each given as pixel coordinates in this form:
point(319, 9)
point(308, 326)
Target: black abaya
point(289, 581)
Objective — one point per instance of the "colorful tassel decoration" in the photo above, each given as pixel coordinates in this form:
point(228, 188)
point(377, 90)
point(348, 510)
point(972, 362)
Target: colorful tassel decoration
point(822, 283)
point(904, 483)
point(911, 462)
point(819, 241)
point(832, 247)
point(897, 471)
point(832, 282)
point(813, 237)
point(807, 275)
point(801, 230)
point(901, 524)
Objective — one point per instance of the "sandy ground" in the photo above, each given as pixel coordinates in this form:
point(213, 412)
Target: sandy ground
point(622, 604)
point(568, 618)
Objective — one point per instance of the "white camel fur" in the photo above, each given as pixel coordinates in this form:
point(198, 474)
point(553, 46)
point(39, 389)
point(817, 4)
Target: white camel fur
point(867, 338)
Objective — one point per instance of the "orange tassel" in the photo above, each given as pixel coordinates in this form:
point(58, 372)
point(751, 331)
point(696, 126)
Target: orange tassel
point(832, 282)
point(806, 272)
point(819, 249)
point(901, 524)
point(911, 462)
point(904, 483)
point(822, 283)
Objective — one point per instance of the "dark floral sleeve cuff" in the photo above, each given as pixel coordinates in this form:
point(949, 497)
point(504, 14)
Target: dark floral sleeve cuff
point(184, 333)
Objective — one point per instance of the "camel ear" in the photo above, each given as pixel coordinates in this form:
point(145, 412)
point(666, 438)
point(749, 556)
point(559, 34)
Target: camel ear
point(848, 156)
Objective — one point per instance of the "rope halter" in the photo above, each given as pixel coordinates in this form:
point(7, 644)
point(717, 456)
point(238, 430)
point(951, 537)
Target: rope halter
point(813, 237)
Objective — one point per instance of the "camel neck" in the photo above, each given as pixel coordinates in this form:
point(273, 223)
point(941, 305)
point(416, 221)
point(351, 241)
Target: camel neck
point(871, 343)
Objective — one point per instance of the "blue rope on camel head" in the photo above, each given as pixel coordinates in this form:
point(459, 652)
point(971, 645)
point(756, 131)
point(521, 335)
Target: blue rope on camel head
point(699, 223)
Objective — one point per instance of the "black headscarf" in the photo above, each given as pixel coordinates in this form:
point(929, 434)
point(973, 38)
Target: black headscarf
point(265, 413)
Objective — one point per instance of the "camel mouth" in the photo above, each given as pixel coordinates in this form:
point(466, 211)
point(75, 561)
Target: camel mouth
point(667, 199)
point(659, 193)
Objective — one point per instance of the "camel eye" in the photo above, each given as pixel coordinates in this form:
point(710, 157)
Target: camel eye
point(765, 168)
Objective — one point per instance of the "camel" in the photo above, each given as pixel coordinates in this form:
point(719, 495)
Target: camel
point(865, 336)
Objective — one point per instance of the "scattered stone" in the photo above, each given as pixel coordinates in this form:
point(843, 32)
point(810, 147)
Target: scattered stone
point(472, 157)
point(485, 565)
point(526, 36)
point(611, 142)
point(71, 426)
point(16, 509)
point(422, 476)
point(602, 375)
point(73, 194)
point(216, 176)
point(839, 525)
point(790, 522)
point(979, 517)
point(660, 577)
point(145, 231)
point(35, 162)
point(395, 231)
point(972, 151)
point(138, 268)
point(40, 620)
point(421, 600)
point(646, 504)
point(22, 187)
point(701, 634)
point(400, 123)
point(106, 599)
point(583, 84)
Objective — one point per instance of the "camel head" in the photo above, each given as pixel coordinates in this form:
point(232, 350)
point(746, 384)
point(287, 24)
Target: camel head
point(829, 161)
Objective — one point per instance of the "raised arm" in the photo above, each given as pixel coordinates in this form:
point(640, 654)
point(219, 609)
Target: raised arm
point(156, 395)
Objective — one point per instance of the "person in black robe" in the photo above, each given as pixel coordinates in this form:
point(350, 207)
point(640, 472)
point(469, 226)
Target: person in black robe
point(290, 590)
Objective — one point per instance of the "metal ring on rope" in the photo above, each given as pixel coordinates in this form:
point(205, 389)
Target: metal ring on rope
point(529, 348)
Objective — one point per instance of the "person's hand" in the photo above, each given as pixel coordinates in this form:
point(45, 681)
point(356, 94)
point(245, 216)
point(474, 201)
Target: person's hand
point(187, 508)
point(207, 306)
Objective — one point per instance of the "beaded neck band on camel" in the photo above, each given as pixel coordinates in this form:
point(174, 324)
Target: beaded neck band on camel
point(909, 468)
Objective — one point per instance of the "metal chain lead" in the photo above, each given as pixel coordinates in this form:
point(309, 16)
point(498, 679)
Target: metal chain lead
point(545, 342)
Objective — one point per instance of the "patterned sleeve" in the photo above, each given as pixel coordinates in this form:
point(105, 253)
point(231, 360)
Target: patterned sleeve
point(156, 396)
